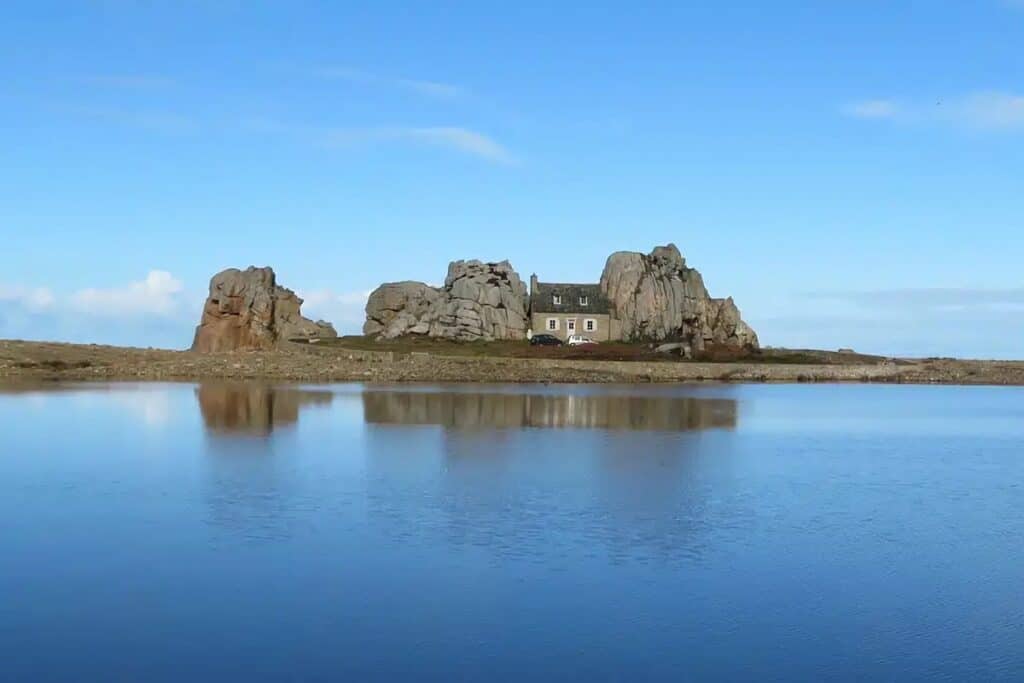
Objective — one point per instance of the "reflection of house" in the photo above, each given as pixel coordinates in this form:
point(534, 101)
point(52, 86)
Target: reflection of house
point(458, 410)
point(566, 309)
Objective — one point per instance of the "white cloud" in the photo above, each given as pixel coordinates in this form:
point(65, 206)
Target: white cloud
point(158, 295)
point(991, 110)
point(32, 299)
point(423, 87)
point(459, 139)
point(346, 310)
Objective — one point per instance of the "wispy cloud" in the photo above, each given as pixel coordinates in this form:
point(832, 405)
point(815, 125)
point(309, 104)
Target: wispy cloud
point(429, 88)
point(128, 81)
point(462, 140)
point(155, 121)
point(345, 73)
point(872, 109)
point(432, 88)
point(991, 110)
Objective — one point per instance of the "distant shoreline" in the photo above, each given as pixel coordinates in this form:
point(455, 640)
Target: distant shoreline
point(338, 363)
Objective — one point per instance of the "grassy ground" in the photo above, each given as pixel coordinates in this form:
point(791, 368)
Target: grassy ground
point(423, 360)
point(606, 351)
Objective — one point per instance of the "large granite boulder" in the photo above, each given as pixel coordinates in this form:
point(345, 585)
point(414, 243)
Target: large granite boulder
point(724, 327)
point(479, 301)
point(395, 308)
point(248, 310)
point(657, 297)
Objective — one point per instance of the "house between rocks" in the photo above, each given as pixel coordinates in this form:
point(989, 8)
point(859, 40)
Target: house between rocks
point(563, 309)
point(651, 297)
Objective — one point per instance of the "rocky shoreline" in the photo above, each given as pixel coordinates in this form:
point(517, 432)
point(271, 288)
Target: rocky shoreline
point(20, 360)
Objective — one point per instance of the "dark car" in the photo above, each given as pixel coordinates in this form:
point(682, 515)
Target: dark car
point(545, 340)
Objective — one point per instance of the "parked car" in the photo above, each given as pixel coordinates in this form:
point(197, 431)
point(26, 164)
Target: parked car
point(580, 340)
point(545, 340)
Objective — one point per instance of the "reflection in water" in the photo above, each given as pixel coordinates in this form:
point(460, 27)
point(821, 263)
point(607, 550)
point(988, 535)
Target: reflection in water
point(252, 408)
point(629, 478)
point(600, 411)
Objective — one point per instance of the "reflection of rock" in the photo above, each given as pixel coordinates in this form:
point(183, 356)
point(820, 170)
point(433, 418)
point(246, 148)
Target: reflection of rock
point(472, 410)
point(246, 408)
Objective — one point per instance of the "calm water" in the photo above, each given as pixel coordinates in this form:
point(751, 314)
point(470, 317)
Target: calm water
point(250, 532)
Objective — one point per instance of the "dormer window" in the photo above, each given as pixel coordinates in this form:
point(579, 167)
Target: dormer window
point(584, 301)
point(556, 299)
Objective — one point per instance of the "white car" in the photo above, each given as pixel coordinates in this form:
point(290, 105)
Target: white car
point(579, 340)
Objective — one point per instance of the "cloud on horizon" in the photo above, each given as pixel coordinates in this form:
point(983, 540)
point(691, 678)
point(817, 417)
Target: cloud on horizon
point(33, 299)
point(973, 322)
point(158, 294)
point(991, 110)
point(158, 310)
point(345, 310)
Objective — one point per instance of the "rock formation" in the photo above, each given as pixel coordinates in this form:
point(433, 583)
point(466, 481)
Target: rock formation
point(479, 301)
point(652, 297)
point(248, 310)
point(657, 297)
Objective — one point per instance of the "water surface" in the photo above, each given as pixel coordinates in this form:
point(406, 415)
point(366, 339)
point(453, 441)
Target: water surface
point(259, 532)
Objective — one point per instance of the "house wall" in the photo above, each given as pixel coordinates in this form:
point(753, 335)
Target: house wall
point(603, 321)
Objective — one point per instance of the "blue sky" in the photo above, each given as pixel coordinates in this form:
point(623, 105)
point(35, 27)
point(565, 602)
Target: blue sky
point(849, 172)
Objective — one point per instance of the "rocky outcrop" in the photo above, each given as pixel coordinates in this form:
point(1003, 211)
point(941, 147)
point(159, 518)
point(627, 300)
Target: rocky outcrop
point(725, 327)
point(479, 301)
point(248, 310)
point(652, 297)
point(657, 297)
point(397, 308)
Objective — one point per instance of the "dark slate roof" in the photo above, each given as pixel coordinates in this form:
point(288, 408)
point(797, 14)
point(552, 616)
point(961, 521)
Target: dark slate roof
point(541, 300)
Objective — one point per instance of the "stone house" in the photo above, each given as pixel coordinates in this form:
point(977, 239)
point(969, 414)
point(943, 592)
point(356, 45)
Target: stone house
point(563, 309)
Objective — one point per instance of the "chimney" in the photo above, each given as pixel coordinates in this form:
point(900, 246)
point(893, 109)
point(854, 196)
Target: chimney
point(533, 284)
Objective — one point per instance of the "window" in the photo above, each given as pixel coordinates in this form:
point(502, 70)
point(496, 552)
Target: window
point(589, 325)
point(557, 299)
point(584, 301)
point(552, 324)
point(570, 325)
